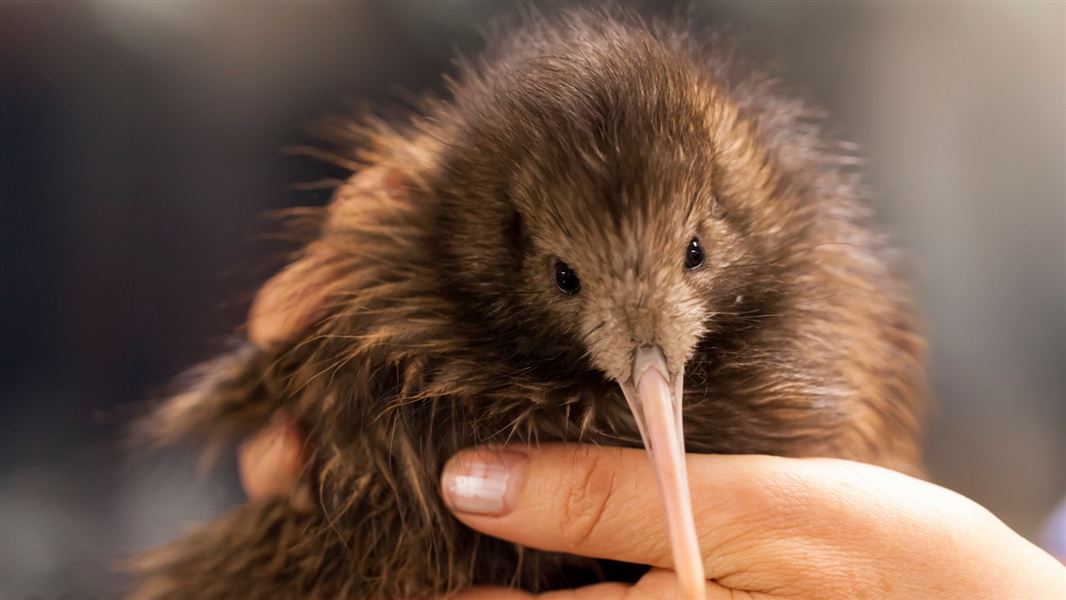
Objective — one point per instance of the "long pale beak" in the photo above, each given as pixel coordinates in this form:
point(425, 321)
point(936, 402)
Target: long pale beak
point(655, 399)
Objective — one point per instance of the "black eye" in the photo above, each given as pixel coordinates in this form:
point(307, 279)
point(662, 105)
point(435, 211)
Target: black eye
point(566, 279)
point(693, 254)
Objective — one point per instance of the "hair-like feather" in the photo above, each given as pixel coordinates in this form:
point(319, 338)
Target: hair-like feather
point(430, 324)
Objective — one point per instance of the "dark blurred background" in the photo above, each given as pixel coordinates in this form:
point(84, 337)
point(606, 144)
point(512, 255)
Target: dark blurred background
point(141, 145)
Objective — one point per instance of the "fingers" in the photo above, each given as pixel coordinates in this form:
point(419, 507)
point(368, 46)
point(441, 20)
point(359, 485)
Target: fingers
point(598, 502)
point(270, 464)
point(603, 591)
point(657, 584)
point(755, 514)
point(289, 302)
point(301, 293)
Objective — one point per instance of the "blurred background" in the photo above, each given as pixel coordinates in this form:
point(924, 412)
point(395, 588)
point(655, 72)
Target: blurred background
point(140, 145)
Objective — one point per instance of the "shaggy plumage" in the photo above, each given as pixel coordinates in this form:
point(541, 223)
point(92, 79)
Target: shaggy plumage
point(433, 323)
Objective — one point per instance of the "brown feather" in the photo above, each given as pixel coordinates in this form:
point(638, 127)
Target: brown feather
point(431, 323)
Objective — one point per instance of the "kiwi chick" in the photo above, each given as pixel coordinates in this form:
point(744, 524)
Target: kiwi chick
point(596, 186)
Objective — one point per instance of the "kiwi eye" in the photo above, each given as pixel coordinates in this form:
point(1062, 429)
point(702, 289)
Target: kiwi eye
point(693, 254)
point(566, 279)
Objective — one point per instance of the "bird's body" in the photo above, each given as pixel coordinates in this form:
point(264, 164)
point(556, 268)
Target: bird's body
point(432, 323)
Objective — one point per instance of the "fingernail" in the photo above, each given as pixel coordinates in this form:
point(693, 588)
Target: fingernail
point(483, 482)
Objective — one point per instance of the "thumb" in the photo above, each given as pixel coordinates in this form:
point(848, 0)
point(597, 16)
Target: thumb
point(593, 501)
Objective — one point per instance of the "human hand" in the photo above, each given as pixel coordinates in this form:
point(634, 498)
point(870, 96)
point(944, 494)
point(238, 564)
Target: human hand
point(770, 527)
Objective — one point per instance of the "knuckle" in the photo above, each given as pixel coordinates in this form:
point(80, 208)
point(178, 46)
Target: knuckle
point(586, 501)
